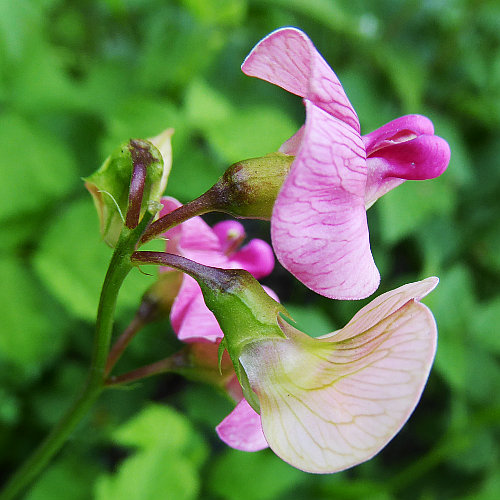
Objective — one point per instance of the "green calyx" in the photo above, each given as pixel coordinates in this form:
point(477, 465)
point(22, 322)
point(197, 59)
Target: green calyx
point(110, 184)
point(245, 313)
point(249, 188)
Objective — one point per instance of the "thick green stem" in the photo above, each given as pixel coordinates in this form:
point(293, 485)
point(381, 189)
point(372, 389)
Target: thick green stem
point(119, 267)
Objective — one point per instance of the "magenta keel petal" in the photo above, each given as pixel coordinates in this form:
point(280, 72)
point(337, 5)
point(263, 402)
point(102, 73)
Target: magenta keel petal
point(398, 130)
point(424, 157)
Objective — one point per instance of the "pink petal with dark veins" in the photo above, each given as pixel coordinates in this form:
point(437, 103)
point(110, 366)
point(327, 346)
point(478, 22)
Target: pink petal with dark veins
point(289, 59)
point(318, 227)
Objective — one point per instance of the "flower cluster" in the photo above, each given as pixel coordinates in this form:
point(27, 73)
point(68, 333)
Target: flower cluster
point(329, 403)
point(322, 404)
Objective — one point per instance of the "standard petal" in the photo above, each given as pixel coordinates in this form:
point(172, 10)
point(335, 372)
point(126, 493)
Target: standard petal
point(289, 59)
point(383, 306)
point(242, 429)
point(318, 227)
point(329, 405)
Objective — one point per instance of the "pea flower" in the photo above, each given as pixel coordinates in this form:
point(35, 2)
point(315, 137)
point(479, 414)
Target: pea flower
point(195, 324)
point(328, 403)
point(319, 229)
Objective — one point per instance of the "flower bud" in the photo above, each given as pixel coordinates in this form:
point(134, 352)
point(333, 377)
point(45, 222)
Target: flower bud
point(110, 186)
point(249, 188)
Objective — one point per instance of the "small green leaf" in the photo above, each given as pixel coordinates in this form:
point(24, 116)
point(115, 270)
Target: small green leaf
point(453, 305)
point(166, 464)
point(155, 424)
point(251, 132)
point(218, 12)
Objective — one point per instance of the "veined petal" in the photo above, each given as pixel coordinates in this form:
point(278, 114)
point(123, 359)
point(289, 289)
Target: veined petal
point(383, 306)
point(242, 429)
point(329, 404)
point(289, 59)
point(318, 227)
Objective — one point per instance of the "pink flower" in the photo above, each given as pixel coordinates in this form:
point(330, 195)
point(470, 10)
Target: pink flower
point(329, 403)
point(318, 226)
point(195, 324)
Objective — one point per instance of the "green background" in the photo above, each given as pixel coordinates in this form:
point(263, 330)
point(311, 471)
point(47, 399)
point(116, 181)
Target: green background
point(79, 77)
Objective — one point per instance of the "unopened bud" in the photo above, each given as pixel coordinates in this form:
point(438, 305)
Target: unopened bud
point(249, 188)
point(110, 185)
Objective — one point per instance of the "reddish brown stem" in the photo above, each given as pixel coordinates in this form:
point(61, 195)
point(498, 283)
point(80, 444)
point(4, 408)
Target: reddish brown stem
point(123, 341)
point(199, 206)
point(171, 364)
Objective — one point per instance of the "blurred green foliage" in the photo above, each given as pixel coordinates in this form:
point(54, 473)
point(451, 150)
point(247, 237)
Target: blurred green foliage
point(78, 78)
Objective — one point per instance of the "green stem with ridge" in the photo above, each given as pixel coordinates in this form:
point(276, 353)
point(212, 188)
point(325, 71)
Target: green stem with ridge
point(118, 269)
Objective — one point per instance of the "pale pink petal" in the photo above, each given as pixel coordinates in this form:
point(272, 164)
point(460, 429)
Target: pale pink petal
point(256, 257)
point(242, 429)
point(180, 307)
point(172, 236)
point(383, 306)
point(328, 405)
point(288, 58)
point(318, 227)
